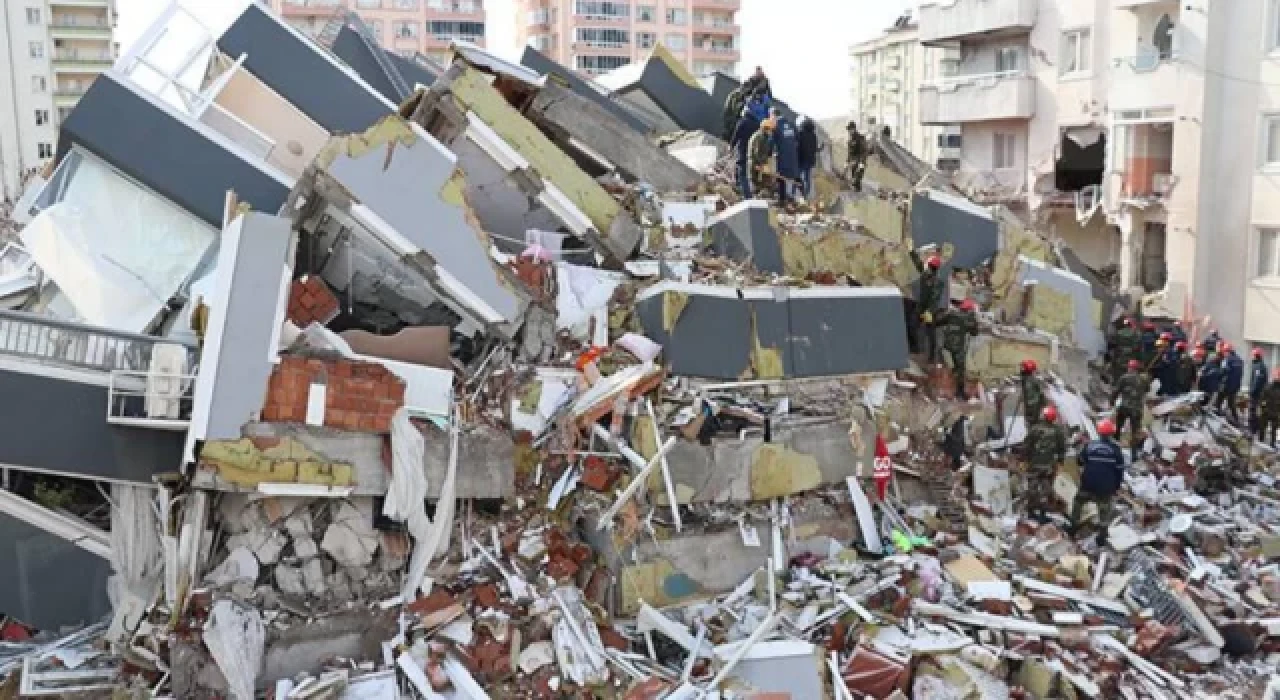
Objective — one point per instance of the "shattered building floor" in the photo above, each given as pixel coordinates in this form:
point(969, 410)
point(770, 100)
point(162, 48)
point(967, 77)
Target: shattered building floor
point(477, 381)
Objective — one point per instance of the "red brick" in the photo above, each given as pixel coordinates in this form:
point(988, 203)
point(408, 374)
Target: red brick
point(613, 638)
point(271, 413)
point(397, 392)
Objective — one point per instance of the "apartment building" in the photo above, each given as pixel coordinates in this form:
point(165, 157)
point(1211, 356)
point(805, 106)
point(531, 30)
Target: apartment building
point(404, 26)
point(50, 51)
point(597, 36)
point(1145, 133)
point(887, 74)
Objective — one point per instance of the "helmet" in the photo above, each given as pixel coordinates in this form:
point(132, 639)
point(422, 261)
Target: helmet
point(1198, 354)
point(1050, 414)
point(768, 124)
point(1148, 326)
point(1177, 324)
point(1226, 348)
point(1181, 346)
point(1106, 428)
point(967, 305)
point(1028, 366)
point(1166, 336)
point(1275, 374)
point(1257, 353)
point(1134, 364)
point(934, 262)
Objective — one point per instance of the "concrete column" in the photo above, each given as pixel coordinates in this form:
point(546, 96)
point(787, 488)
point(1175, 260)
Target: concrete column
point(1124, 222)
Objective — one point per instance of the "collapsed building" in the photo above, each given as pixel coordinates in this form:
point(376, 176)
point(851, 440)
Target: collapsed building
point(479, 380)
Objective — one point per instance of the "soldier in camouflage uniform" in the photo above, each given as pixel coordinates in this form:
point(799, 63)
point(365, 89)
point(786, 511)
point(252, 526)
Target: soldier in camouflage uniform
point(932, 289)
point(1269, 410)
point(957, 327)
point(1131, 391)
point(1046, 446)
point(1125, 346)
point(1032, 391)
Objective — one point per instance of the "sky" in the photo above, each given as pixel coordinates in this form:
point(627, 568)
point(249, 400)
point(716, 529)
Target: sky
point(803, 45)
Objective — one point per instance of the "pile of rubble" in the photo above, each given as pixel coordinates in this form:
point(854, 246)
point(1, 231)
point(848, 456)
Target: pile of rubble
point(535, 407)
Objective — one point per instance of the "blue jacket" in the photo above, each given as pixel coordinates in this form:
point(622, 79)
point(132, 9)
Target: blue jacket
point(1103, 467)
point(747, 126)
point(1234, 373)
point(1179, 335)
point(1211, 377)
point(787, 148)
point(759, 107)
point(1257, 379)
point(1165, 370)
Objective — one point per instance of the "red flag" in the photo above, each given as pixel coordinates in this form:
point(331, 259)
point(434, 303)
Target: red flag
point(883, 470)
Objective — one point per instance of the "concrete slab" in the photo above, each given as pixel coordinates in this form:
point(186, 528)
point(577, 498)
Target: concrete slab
point(536, 61)
point(744, 232)
point(1086, 334)
point(941, 218)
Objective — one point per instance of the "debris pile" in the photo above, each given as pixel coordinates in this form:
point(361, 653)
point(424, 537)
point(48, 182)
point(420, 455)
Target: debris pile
point(497, 388)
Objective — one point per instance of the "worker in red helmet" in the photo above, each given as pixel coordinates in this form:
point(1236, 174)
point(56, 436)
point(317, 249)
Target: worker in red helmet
point(1184, 373)
point(1129, 397)
point(1165, 365)
point(1258, 377)
point(1269, 410)
point(1031, 390)
point(1045, 447)
point(1232, 380)
point(1149, 338)
point(933, 290)
point(1102, 467)
point(1179, 332)
point(1125, 345)
point(957, 326)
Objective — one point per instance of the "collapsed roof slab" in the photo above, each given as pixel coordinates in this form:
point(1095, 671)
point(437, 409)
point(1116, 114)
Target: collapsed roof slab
point(246, 313)
point(294, 66)
point(47, 580)
point(406, 192)
point(463, 107)
point(745, 232)
point(174, 156)
point(775, 332)
point(536, 61)
point(393, 76)
point(656, 86)
point(939, 217)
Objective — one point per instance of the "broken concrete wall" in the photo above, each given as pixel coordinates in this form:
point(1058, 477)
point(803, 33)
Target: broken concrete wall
point(48, 582)
point(464, 98)
point(882, 218)
point(657, 84)
point(745, 232)
point(775, 332)
point(941, 218)
point(559, 109)
point(1080, 316)
point(870, 261)
point(358, 396)
point(539, 63)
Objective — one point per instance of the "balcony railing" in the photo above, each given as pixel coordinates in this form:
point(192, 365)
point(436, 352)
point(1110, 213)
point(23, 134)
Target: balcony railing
point(70, 91)
point(150, 399)
point(77, 22)
point(68, 344)
point(716, 48)
point(78, 56)
point(975, 98)
point(942, 21)
point(1148, 80)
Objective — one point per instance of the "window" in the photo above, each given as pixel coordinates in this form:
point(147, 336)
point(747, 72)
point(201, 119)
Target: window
point(1076, 47)
point(646, 40)
point(44, 150)
point(37, 49)
point(445, 30)
point(603, 38)
point(1004, 151)
point(375, 25)
point(948, 140)
point(369, 4)
point(601, 64)
point(42, 117)
point(540, 16)
point(405, 29)
point(676, 15)
point(1269, 252)
point(1273, 25)
point(675, 42)
point(38, 83)
point(602, 9)
point(541, 42)
point(1007, 59)
point(646, 13)
point(1271, 140)
point(33, 15)
point(405, 4)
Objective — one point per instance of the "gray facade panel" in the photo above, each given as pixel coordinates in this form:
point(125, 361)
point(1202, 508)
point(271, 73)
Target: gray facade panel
point(534, 60)
point(46, 581)
point(354, 52)
point(933, 220)
point(847, 335)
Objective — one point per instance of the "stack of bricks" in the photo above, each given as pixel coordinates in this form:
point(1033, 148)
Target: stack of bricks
point(360, 396)
point(310, 300)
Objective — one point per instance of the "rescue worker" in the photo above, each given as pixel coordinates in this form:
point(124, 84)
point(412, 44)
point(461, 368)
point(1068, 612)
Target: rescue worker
point(747, 127)
point(1046, 446)
point(1127, 346)
point(1179, 333)
point(808, 151)
point(1232, 379)
point(758, 83)
point(858, 153)
point(732, 110)
point(1032, 391)
point(1210, 376)
point(786, 147)
point(1129, 398)
point(932, 290)
point(1269, 410)
point(1149, 337)
point(1211, 341)
point(1101, 475)
point(958, 442)
point(759, 150)
point(1188, 366)
point(759, 105)
point(1257, 382)
point(1164, 364)
point(957, 326)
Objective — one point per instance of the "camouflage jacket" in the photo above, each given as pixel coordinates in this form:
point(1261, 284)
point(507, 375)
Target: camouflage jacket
point(1132, 390)
point(932, 285)
point(1127, 344)
point(1033, 395)
point(957, 326)
point(1269, 400)
point(1186, 373)
point(759, 148)
point(1046, 444)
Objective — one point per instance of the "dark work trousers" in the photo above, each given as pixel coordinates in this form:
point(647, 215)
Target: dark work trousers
point(1230, 399)
point(1134, 419)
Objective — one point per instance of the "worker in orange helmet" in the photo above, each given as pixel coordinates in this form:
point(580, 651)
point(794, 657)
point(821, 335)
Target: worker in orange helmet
point(1045, 448)
point(1102, 472)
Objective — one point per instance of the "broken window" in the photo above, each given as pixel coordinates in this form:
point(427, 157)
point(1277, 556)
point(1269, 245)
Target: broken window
point(1143, 154)
point(1082, 155)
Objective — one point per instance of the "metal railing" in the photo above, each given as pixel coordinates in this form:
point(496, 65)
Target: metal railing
point(56, 342)
point(150, 399)
point(76, 22)
point(976, 78)
point(70, 92)
point(83, 56)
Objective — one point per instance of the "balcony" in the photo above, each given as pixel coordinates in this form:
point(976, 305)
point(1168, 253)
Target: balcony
point(979, 98)
point(942, 21)
point(79, 3)
point(1135, 4)
point(309, 8)
point(724, 5)
point(79, 27)
point(721, 51)
point(1143, 82)
point(81, 61)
